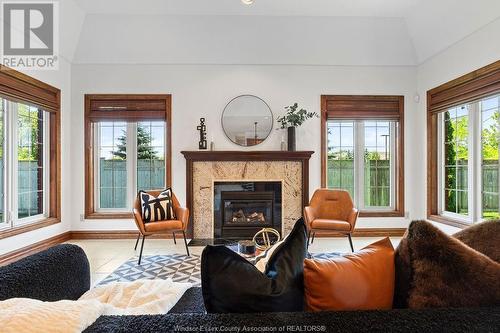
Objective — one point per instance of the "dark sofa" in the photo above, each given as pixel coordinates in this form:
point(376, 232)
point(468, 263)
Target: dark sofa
point(62, 272)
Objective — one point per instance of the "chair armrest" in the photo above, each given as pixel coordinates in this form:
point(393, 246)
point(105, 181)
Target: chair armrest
point(182, 215)
point(353, 217)
point(138, 221)
point(61, 272)
point(309, 215)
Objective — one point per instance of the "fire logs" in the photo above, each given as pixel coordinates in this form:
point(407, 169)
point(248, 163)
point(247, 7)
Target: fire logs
point(255, 217)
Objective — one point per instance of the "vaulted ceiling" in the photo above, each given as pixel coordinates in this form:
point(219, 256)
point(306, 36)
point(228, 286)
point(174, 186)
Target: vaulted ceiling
point(308, 32)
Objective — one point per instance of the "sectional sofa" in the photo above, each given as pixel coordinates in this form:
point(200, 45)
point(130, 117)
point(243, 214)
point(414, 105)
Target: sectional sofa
point(62, 272)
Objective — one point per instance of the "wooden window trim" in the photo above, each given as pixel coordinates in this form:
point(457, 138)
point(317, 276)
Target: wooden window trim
point(22, 88)
point(364, 107)
point(130, 107)
point(468, 88)
point(133, 113)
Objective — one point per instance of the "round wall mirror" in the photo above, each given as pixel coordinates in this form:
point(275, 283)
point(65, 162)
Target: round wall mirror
point(247, 120)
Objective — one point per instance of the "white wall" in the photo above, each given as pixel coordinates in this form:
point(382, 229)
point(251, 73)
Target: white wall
point(436, 25)
point(163, 39)
point(203, 91)
point(476, 51)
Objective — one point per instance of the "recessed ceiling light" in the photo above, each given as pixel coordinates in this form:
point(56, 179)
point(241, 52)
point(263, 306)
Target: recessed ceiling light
point(247, 2)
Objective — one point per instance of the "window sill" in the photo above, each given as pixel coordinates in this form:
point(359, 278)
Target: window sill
point(28, 227)
point(109, 216)
point(392, 213)
point(449, 221)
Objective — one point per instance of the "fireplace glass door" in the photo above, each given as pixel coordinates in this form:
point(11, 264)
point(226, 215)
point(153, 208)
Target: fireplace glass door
point(241, 209)
point(247, 208)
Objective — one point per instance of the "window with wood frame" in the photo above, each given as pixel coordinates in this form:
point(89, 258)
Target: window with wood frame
point(29, 153)
point(128, 148)
point(362, 151)
point(463, 122)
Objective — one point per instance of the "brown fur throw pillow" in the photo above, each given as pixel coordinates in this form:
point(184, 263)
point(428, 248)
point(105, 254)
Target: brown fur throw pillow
point(448, 273)
point(402, 269)
point(483, 237)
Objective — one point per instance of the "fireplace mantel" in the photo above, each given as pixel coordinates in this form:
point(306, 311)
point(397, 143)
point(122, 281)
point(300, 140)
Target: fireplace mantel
point(192, 157)
point(238, 155)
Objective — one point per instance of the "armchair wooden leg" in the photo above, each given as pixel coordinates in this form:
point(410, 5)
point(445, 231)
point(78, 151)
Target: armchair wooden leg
point(137, 241)
point(350, 241)
point(173, 234)
point(142, 247)
point(312, 240)
point(185, 243)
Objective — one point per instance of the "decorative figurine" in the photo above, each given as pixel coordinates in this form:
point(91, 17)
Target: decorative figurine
point(202, 144)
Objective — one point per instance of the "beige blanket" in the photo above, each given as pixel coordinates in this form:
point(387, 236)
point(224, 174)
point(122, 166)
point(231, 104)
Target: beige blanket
point(125, 298)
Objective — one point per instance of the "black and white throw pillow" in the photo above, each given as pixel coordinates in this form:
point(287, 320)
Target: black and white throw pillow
point(158, 208)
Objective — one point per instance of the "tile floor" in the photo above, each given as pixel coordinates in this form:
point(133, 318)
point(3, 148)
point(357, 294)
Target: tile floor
point(107, 255)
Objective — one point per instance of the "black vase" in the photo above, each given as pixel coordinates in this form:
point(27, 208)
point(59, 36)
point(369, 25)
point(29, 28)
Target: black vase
point(291, 139)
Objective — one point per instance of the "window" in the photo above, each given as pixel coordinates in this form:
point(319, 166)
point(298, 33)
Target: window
point(379, 171)
point(150, 155)
point(463, 132)
point(24, 162)
point(364, 151)
point(490, 118)
point(120, 174)
point(131, 151)
point(462, 166)
point(32, 166)
point(341, 156)
point(111, 166)
point(456, 159)
point(29, 155)
point(359, 152)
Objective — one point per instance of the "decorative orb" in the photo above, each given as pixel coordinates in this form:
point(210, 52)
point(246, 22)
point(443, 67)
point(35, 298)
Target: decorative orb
point(265, 234)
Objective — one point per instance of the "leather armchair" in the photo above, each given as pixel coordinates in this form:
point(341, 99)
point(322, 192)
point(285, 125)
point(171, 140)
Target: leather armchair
point(161, 227)
point(331, 211)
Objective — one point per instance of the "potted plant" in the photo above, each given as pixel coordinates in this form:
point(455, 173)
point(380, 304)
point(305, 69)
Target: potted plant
point(294, 118)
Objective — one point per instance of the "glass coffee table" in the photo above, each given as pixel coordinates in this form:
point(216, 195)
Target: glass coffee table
point(233, 246)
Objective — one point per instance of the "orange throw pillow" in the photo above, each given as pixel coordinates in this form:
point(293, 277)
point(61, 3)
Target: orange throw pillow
point(359, 281)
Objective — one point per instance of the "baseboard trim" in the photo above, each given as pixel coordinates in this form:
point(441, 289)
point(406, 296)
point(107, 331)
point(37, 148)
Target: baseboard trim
point(15, 255)
point(116, 234)
point(367, 232)
point(128, 234)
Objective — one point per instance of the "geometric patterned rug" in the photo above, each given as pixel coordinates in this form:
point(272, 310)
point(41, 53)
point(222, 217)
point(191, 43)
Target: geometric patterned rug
point(179, 267)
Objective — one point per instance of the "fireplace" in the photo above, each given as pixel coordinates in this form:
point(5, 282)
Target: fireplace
point(243, 208)
point(290, 169)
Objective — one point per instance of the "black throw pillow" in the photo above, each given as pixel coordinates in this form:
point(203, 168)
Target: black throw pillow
point(231, 284)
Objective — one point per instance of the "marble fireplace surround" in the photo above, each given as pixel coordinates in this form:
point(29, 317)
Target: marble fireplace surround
point(204, 168)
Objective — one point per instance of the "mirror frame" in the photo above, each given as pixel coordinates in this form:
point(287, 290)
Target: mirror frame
point(224, 111)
